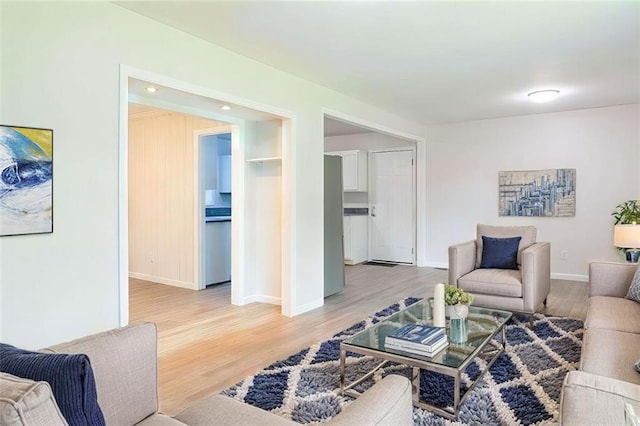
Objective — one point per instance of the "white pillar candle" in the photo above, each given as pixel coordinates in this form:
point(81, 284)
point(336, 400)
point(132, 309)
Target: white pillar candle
point(438, 306)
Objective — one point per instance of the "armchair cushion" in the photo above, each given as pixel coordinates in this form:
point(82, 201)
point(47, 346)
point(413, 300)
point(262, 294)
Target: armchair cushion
point(527, 234)
point(500, 253)
point(499, 282)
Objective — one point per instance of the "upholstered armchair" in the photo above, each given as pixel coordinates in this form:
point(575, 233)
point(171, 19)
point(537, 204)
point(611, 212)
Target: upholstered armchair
point(507, 269)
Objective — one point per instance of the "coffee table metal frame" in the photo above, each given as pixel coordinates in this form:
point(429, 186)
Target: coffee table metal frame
point(488, 350)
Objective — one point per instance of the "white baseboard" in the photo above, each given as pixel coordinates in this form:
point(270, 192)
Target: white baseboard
point(440, 265)
point(257, 298)
point(260, 298)
point(307, 307)
point(167, 281)
point(569, 277)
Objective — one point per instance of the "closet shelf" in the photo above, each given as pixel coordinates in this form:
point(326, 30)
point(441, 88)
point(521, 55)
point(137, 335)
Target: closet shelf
point(264, 159)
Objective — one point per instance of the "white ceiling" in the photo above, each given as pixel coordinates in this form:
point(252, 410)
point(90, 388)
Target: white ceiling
point(167, 100)
point(340, 128)
point(170, 99)
point(433, 61)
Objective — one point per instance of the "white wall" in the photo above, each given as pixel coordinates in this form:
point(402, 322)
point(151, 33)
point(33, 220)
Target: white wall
point(161, 197)
point(463, 161)
point(62, 72)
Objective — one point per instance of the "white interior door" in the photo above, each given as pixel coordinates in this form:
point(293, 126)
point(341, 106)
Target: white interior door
point(392, 206)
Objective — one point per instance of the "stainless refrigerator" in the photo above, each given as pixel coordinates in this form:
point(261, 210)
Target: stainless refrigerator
point(333, 220)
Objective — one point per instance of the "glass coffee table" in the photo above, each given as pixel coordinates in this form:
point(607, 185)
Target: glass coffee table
point(486, 340)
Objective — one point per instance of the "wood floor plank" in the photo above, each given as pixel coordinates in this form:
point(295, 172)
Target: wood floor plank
point(206, 344)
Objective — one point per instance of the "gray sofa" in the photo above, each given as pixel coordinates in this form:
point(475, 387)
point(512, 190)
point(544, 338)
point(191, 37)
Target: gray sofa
point(597, 393)
point(124, 363)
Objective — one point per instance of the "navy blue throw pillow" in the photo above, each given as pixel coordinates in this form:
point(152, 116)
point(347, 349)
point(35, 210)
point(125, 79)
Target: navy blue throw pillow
point(500, 253)
point(70, 376)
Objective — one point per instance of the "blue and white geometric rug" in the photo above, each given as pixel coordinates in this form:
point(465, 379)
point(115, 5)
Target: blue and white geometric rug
point(521, 388)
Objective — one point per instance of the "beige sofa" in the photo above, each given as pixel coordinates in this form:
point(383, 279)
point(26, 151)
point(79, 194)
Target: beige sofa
point(596, 394)
point(124, 363)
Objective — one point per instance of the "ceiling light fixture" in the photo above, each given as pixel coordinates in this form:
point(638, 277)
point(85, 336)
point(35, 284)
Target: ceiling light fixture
point(151, 89)
point(542, 96)
point(225, 107)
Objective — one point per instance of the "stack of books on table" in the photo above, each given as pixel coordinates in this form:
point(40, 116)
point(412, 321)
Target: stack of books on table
point(418, 339)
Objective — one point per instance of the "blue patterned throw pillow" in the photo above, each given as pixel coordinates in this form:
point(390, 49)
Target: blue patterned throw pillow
point(500, 253)
point(70, 376)
point(634, 288)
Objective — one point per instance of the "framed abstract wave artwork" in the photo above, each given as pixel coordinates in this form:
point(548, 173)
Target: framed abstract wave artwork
point(26, 180)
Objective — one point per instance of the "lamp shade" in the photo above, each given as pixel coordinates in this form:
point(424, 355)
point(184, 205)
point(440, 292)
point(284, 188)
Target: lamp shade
point(626, 236)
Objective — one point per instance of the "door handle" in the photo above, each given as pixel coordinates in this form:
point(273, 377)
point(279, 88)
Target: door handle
point(373, 211)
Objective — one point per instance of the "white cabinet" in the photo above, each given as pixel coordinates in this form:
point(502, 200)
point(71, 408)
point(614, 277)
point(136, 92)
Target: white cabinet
point(224, 174)
point(355, 239)
point(354, 170)
point(217, 252)
point(346, 240)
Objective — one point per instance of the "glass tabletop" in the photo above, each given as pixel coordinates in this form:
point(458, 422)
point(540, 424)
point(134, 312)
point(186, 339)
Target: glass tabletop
point(482, 324)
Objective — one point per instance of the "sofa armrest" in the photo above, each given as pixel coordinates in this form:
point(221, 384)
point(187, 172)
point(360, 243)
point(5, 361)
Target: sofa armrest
point(124, 363)
point(610, 278)
point(536, 274)
point(462, 260)
point(223, 410)
point(388, 402)
point(589, 399)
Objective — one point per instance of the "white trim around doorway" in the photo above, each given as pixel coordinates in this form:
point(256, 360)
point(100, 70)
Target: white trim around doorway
point(288, 178)
point(420, 157)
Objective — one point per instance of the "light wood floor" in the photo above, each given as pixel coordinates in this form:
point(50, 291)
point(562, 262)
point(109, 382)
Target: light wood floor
point(206, 344)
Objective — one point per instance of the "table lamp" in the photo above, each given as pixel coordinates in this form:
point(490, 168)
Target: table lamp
point(628, 237)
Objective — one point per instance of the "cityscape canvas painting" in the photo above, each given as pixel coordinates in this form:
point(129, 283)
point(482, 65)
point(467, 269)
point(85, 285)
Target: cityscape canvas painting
point(26, 189)
point(538, 193)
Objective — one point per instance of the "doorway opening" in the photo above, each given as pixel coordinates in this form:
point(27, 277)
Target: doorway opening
point(380, 197)
point(212, 152)
point(256, 155)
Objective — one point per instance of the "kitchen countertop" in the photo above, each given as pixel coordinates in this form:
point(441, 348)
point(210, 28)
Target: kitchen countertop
point(218, 219)
point(356, 211)
point(217, 214)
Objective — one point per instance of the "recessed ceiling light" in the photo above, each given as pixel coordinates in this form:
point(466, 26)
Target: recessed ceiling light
point(225, 107)
point(542, 96)
point(151, 89)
